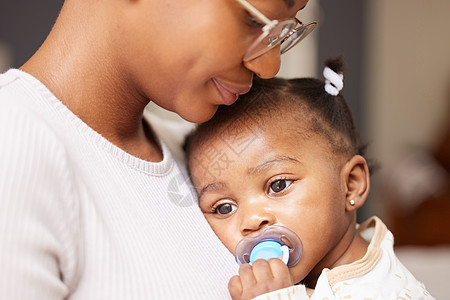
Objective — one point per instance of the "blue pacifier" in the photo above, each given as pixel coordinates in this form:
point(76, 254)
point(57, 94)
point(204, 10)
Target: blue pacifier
point(274, 241)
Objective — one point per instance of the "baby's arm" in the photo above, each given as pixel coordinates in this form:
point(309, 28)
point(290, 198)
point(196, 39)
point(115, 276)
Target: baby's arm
point(260, 278)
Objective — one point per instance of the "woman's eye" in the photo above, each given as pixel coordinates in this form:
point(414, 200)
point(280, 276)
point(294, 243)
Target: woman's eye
point(254, 22)
point(279, 185)
point(225, 209)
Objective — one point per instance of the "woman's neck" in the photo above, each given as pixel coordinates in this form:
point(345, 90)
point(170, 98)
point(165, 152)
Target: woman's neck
point(85, 74)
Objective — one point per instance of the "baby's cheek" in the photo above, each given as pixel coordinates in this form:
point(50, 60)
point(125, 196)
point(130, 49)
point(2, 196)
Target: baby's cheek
point(227, 238)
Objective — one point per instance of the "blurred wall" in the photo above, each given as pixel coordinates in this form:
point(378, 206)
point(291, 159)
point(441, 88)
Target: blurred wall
point(408, 82)
point(6, 55)
point(302, 60)
point(24, 24)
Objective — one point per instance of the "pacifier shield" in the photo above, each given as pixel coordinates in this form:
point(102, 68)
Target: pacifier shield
point(273, 242)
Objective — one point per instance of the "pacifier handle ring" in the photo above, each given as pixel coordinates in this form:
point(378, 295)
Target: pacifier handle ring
point(285, 250)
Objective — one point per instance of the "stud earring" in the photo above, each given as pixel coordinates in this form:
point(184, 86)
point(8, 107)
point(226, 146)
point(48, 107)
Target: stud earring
point(352, 202)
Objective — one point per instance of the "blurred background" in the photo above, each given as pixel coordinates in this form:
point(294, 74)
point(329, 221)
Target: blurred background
point(398, 85)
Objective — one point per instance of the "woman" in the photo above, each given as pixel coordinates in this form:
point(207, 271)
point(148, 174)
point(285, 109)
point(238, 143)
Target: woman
point(92, 203)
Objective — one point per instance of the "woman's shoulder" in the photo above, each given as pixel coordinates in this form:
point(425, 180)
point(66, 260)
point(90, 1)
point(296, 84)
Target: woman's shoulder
point(25, 97)
point(30, 115)
point(30, 141)
point(22, 121)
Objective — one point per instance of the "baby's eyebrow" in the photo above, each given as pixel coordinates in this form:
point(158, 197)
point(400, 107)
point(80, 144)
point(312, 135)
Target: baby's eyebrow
point(212, 187)
point(261, 167)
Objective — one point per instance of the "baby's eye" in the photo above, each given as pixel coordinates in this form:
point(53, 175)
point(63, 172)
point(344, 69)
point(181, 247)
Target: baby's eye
point(279, 185)
point(225, 209)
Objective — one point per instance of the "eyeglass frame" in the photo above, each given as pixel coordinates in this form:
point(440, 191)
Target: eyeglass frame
point(269, 25)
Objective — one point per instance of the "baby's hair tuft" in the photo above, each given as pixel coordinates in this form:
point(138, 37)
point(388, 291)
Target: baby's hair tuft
point(336, 64)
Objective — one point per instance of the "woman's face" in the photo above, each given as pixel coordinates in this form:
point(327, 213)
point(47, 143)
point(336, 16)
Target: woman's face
point(187, 55)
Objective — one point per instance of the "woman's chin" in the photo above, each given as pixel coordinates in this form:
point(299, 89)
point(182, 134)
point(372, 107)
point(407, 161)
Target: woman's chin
point(199, 116)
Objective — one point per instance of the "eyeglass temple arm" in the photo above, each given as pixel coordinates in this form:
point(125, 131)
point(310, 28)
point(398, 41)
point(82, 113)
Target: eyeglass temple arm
point(254, 11)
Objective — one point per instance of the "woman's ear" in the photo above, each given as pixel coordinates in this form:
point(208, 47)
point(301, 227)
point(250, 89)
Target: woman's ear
point(357, 178)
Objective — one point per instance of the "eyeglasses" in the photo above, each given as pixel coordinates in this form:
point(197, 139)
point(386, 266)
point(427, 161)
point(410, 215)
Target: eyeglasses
point(288, 33)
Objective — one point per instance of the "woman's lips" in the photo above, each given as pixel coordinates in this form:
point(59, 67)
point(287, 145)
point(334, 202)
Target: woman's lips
point(230, 92)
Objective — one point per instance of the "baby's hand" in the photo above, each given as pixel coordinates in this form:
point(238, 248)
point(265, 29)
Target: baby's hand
point(260, 278)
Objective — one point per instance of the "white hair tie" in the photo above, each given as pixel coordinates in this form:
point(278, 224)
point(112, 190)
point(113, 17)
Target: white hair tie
point(333, 81)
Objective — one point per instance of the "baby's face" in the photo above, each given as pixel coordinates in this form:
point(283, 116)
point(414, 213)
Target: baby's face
point(249, 179)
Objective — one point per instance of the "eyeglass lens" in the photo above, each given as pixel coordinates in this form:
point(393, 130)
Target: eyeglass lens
point(284, 33)
point(296, 36)
point(269, 39)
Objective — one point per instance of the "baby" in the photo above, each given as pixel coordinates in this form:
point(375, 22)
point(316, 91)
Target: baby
point(288, 154)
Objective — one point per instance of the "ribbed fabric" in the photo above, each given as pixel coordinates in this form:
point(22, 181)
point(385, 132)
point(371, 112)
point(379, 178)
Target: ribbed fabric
point(82, 219)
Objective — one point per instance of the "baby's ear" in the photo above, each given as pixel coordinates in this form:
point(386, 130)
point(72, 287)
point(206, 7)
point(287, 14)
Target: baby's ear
point(357, 177)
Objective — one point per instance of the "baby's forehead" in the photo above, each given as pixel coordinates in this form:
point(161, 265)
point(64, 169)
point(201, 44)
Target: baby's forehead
point(282, 120)
point(280, 129)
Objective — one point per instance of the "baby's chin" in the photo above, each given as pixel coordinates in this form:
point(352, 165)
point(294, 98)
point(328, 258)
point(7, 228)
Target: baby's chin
point(298, 274)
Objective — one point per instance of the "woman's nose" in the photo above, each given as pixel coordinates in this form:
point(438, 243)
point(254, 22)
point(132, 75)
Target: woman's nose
point(256, 219)
point(267, 65)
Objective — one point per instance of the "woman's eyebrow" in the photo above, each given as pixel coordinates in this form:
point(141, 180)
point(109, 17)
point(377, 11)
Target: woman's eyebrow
point(289, 3)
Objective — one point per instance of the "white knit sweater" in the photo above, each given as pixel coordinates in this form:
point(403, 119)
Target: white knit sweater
point(82, 219)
